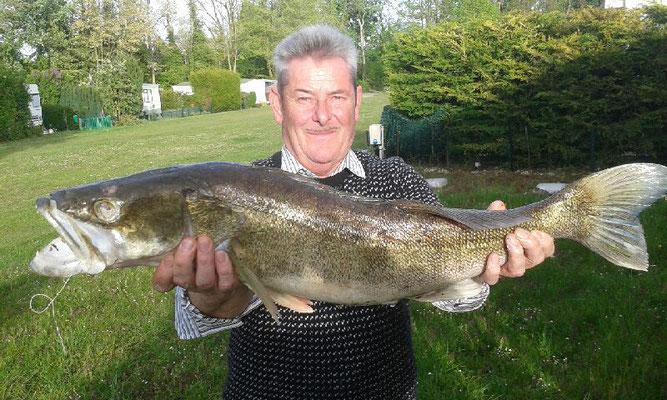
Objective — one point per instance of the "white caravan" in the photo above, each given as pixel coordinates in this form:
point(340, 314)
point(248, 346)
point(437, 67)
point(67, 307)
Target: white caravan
point(35, 105)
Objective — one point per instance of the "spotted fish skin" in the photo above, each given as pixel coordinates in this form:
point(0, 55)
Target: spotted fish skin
point(290, 237)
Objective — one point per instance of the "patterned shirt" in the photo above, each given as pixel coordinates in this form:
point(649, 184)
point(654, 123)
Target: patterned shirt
point(337, 352)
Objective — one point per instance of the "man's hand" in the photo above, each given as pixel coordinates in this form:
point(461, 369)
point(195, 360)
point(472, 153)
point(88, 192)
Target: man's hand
point(524, 251)
point(206, 274)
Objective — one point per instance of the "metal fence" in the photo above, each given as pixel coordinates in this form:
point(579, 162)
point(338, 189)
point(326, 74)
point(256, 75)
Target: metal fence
point(183, 112)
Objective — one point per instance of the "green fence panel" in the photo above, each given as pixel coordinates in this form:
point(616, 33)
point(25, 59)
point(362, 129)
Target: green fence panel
point(92, 123)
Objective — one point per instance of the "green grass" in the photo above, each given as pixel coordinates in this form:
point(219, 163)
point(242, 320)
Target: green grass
point(576, 327)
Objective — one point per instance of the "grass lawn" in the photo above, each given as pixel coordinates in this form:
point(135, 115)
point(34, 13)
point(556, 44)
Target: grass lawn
point(576, 327)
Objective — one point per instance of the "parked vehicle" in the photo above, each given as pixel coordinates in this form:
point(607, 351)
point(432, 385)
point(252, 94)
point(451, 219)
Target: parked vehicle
point(152, 107)
point(35, 105)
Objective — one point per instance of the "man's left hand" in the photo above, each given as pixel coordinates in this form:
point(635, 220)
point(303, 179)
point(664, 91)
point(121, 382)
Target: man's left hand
point(524, 251)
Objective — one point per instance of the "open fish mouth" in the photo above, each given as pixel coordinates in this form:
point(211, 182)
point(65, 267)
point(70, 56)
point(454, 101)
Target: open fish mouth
point(71, 252)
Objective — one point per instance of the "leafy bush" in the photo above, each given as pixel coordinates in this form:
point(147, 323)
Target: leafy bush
point(14, 114)
point(58, 117)
point(129, 120)
point(252, 99)
point(216, 89)
point(248, 100)
point(539, 89)
point(170, 100)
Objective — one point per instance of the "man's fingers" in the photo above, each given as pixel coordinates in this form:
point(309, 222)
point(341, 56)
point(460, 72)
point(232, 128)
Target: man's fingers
point(184, 258)
point(546, 242)
point(497, 206)
point(532, 249)
point(205, 276)
point(227, 279)
point(163, 275)
point(492, 271)
point(516, 261)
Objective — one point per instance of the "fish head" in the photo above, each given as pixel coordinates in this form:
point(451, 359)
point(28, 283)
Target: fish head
point(113, 224)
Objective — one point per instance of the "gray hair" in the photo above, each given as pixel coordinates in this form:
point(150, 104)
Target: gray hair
point(318, 41)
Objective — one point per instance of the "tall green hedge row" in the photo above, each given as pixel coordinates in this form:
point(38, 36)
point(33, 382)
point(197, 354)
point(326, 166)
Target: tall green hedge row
point(216, 89)
point(539, 89)
point(14, 114)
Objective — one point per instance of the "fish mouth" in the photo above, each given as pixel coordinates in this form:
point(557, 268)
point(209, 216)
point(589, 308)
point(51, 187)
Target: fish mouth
point(72, 252)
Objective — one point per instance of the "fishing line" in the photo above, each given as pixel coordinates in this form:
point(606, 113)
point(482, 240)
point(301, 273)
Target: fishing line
point(52, 306)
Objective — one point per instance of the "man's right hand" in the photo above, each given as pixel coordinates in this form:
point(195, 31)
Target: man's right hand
point(207, 275)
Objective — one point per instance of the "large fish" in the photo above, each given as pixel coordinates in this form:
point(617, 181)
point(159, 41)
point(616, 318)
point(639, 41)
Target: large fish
point(292, 239)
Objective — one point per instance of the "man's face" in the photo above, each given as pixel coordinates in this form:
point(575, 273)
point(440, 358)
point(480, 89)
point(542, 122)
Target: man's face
point(318, 111)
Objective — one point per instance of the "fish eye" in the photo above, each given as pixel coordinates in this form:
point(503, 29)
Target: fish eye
point(106, 210)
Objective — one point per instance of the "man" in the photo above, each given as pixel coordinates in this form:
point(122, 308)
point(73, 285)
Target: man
point(338, 351)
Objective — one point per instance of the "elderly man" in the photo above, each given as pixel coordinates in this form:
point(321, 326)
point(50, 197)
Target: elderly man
point(342, 352)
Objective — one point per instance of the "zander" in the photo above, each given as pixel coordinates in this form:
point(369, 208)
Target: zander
point(293, 239)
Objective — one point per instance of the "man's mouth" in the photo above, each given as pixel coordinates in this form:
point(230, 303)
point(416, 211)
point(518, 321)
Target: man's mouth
point(322, 132)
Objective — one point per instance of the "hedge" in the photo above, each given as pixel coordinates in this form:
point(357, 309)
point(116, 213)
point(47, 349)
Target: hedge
point(216, 89)
point(531, 89)
point(14, 113)
point(58, 117)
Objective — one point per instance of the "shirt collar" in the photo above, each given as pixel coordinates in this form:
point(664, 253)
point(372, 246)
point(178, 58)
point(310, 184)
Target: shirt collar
point(290, 164)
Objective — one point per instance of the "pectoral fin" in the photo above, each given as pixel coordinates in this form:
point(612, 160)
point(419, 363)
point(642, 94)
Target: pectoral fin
point(250, 279)
point(294, 303)
point(459, 290)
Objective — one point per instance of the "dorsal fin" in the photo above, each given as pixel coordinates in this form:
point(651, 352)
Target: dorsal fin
point(477, 220)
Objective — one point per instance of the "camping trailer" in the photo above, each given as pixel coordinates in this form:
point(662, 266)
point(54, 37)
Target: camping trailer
point(35, 105)
point(260, 87)
point(151, 96)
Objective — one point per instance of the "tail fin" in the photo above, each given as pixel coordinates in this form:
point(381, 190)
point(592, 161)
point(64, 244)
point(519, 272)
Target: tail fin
point(615, 197)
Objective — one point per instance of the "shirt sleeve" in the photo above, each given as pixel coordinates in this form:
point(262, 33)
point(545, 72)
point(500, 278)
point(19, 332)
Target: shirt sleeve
point(191, 323)
point(412, 186)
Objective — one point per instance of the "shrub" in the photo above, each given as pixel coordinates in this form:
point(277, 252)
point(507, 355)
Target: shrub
point(129, 120)
point(14, 114)
point(538, 89)
point(248, 100)
point(58, 117)
point(216, 89)
point(170, 100)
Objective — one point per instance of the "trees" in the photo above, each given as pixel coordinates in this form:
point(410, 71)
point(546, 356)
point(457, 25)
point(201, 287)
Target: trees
point(224, 19)
point(118, 82)
point(39, 28)
point(364, 18)
point(263, 23)
point(198, 53)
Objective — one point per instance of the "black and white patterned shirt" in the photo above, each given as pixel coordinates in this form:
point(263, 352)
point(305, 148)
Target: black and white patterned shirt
point(337, 352)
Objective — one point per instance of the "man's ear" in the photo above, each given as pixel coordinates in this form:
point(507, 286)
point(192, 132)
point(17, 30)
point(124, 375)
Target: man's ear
point(276, 106)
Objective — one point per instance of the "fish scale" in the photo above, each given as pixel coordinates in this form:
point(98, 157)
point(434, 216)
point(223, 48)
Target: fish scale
point(292, 238)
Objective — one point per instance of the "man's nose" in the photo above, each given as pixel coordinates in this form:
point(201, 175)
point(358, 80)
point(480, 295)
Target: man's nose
point(322, 113)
